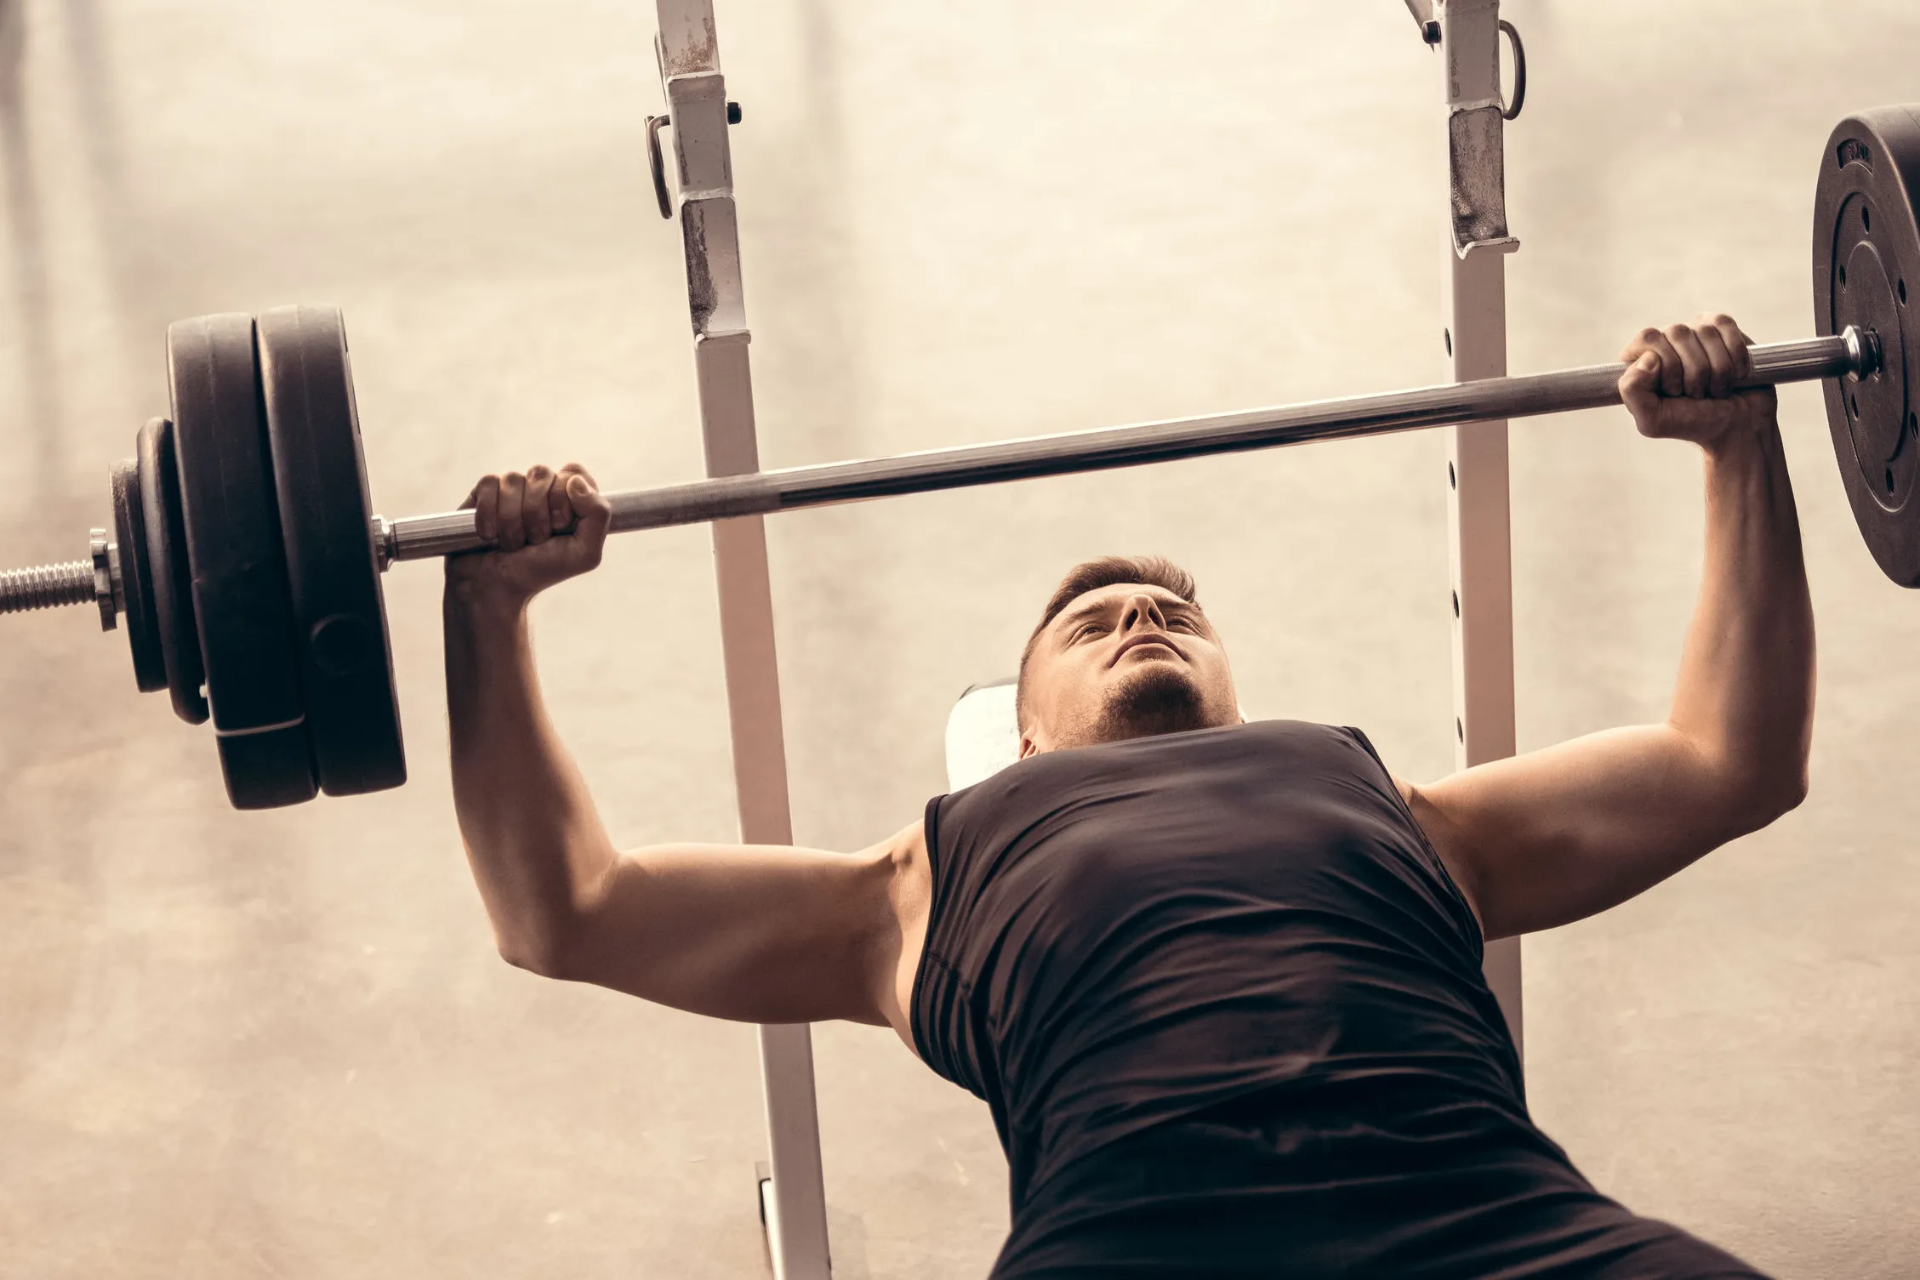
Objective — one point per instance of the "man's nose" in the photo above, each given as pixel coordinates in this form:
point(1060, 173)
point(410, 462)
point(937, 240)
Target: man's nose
point(1142, 611)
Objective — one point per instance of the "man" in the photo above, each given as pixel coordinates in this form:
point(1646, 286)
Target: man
point(1219, 982)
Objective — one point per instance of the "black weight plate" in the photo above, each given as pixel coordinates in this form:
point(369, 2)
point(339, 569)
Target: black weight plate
point(1866, 260)
point(326, 521)
point(240, 592)
point(136, 579)
point(179, 633)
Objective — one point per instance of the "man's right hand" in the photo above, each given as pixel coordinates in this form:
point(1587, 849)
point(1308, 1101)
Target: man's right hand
point(544, 527)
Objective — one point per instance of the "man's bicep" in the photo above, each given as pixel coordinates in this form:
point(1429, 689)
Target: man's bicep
point(1555, 835)
point(752, 933)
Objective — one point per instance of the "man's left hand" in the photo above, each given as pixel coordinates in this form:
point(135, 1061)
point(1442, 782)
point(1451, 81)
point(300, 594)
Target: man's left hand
point(1679, 382)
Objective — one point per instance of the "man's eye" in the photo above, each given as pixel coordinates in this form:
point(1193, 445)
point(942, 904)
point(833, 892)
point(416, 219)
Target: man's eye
point(1086, 629)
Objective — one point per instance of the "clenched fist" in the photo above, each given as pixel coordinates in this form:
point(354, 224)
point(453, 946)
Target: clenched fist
point(1679, 382)
point(544, 527)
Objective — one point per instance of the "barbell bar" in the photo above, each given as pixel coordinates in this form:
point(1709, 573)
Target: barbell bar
point(1853, 353)
point(248, 561)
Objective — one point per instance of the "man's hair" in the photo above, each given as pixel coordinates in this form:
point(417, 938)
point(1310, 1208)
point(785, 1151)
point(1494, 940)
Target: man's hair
point(1107, 571)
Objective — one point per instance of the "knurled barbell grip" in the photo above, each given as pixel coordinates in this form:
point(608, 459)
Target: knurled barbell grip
point(1852, 353)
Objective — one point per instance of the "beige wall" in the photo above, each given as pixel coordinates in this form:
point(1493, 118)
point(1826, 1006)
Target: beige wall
point(237, 1045)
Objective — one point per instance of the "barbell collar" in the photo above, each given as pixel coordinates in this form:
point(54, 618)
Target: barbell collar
point(106, 578)
point(1853, 353)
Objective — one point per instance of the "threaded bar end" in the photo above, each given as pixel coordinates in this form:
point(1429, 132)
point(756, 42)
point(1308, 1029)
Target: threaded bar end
point(47, 587)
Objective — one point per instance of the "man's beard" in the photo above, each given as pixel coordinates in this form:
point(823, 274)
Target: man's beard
point(1156, 698)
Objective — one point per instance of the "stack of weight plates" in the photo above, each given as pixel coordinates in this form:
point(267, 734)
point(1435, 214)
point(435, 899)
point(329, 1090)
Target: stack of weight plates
point(247, 559)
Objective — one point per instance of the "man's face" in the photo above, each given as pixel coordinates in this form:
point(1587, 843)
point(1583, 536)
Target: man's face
point(1122, 662)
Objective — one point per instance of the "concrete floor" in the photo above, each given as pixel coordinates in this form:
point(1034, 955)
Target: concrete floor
point(281, 1044)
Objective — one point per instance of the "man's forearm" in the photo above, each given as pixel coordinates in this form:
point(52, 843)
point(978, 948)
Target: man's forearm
point(532, 834)
point(1746, 686)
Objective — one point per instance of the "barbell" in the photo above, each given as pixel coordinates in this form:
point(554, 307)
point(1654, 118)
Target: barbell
point(246, 557)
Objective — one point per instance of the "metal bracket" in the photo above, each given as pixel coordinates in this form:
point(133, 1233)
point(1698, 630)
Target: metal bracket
point(1477, 179)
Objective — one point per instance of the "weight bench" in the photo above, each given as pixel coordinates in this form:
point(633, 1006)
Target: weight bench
point(983, 735)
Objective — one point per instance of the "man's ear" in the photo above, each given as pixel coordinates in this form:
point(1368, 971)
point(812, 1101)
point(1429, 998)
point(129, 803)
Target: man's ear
point(1028, 746)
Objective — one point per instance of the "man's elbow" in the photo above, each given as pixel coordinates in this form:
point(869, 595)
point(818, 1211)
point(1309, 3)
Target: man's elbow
point(1748, 785)
point(1766, 799)
point(1791, 793)
point(548, 953)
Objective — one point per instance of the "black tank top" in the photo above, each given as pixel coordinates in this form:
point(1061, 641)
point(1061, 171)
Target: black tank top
point(1221, 995)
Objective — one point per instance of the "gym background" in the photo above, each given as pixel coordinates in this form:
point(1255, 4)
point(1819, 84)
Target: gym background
point(236, 1044)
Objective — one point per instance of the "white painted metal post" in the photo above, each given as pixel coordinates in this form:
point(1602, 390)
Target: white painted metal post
point(794, 1202)
point(1476, 339)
